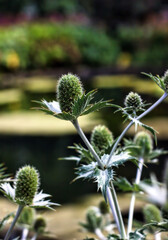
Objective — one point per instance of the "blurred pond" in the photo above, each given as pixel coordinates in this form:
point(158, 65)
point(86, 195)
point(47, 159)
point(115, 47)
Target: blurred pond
point(30, 137)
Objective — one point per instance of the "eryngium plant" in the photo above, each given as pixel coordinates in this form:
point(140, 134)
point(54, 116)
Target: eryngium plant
point(103, 154)
point(25, 193)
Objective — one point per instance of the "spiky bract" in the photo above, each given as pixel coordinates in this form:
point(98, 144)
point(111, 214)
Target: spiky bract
point(152, 213)
point(101, 139)
point(39, 225)
point(144, 141)
point(133, 100)
point(68, 90)
point(27, 216)
point(165, 80)
point(27, 182)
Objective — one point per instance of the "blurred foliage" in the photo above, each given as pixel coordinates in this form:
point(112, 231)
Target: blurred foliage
point(38, 45)
point(146, 45)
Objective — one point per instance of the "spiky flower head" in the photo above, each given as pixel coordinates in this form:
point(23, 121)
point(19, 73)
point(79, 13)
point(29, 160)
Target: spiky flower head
point(93, 218)
point(152, 213)
point(165, 80)
point(144, 141)
point(104, 207)
point(101, 138)
point(133, 100)
point(39, 225)
point(27, 216)
point(68, 90)
point(27, 182)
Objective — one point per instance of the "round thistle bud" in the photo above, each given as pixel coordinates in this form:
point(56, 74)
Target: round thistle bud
point(104, 208)
point(27, 216)
point(101, 139)
point(144, 140)
point(27, 182)
point(93, 219)
point(165, 80)
point(39, 225)
point(165, 211)
point(133, 100)
point(68, 90)
point(152, 213)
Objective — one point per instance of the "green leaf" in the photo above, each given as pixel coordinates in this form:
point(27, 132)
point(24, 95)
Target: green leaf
point(85, 154)
point(150, 129)
point(82, 103)
point(5, 219)
point(156, 79)
point(124, 185)
point(96, 107)
point(137, 235)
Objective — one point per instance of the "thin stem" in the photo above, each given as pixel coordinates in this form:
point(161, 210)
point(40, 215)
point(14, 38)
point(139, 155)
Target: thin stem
point(109, 196)
point(132, 203)
point(82, 135)
point(118, 212)
point(25, 233)
point(158, 236)
point(99, 234)
point(112, 206)
point(132, 122)
point(20, 208)
point(34, 237)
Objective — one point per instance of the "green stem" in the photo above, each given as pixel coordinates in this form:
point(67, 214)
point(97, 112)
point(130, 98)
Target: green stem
point(89, 146)
point(132, 122)
point(113, 202)
point(20, 208)
point(118, 212)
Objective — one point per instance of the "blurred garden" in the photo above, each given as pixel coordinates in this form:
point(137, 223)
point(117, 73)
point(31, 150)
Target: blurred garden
point(108, 44)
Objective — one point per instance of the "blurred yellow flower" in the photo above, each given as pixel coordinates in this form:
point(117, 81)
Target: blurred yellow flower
point(12, 60)
point(124, 60)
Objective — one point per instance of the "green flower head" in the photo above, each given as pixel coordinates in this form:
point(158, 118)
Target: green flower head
point(93, 219)
point(152, 213)
point(39, 225)
point(27, 182)
point(133, 100)
point(144, 141)
point(27, 216)
point(101, 139)
point(165, 80)
point(104, 207)
point(69, 89)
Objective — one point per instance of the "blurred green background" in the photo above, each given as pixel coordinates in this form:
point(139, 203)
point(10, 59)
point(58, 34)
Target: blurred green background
point(108, 44)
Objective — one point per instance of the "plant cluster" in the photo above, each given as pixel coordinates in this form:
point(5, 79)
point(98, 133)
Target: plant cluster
point(104, 153)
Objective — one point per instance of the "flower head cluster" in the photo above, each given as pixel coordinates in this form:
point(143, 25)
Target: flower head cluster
point(71, 102)
point(25, 189)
